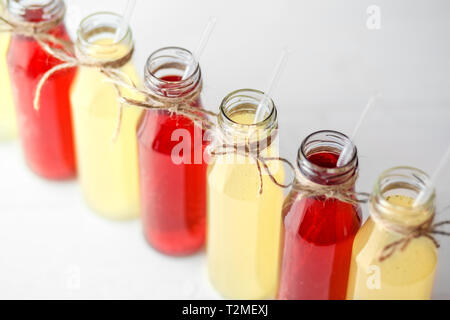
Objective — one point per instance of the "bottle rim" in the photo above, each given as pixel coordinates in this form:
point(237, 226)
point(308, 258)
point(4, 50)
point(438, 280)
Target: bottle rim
point(90, 26)
point(406, 181)
point(332, 141)
point(240, 95)
point(177, 60)
point(52, 9)
point(155, 54)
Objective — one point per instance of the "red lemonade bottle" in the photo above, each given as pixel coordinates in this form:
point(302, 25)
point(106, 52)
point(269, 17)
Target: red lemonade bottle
point(172, 181)
point(46, 134)
point(319, 229)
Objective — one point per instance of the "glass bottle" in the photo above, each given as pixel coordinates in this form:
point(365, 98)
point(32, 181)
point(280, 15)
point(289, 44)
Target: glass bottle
point(7, 114)
point(173, 192)
point(46, 134)
point(244, 224)
point(318, 231)
point(108, 169)
point(406, 274)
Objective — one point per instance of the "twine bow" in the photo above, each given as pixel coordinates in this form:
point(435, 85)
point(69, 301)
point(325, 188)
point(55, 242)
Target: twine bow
point(254, 151)
point(342, 192)
point(72, 58)
point(427, 229)
point(65, 52)
point(183, 105)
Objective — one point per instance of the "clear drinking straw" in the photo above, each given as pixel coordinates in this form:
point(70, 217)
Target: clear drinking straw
point(201, 47)
point(126, 17)
point(429, 185)
point(262, 107)
point(346, 153)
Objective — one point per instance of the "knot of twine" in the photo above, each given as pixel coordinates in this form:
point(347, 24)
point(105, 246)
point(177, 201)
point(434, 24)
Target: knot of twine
point(184, 105)
point(427, 229)
point(71, 57)
point(254, 151)
point(37, 30)
point(342, 192)
point(65, 52)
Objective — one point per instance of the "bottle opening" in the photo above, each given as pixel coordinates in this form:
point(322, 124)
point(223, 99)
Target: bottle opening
point(237, 128)
point(240, 106)
point(318, 156)
point(96, 36)
point(165, 69)
point(36, 10)
point(237, 114)
point(396, 191)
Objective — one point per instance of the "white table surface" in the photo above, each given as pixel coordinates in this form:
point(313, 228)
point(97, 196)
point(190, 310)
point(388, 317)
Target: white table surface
point(52, 246)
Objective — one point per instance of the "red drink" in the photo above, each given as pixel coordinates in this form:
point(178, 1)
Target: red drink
point(173, 196)
point(318, 240)
point(46, 134)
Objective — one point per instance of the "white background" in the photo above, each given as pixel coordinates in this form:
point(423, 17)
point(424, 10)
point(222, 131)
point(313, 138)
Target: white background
point(52, 246)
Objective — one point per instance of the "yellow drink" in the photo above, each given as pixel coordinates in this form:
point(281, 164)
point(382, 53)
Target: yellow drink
point(244, 226)
point(407, 274)
point(7, 112)
point(108, 169)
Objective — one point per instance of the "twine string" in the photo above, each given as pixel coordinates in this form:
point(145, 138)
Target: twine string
point(254, 151)
point(342, 192)
point(75, 58)
point(427, 229)
point(70, 57)
point(183, 106)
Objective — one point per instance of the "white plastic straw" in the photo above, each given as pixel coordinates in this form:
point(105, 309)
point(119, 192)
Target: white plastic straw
point(262, 107)
point(346, 153)
point(126, 18)
point(201, 47)
point(426, 192)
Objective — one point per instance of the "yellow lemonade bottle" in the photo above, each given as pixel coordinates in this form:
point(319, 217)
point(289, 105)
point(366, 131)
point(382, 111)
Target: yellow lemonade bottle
point(407, 271)
point(7, 112)
point(243, 224)
point(108, 169)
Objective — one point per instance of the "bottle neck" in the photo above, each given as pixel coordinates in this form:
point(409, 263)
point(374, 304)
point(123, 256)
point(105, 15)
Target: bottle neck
point(318, 155)
point(237, 115)
point(96, 38)
point(36, 10)
point(395, 193)
point(164, 73)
